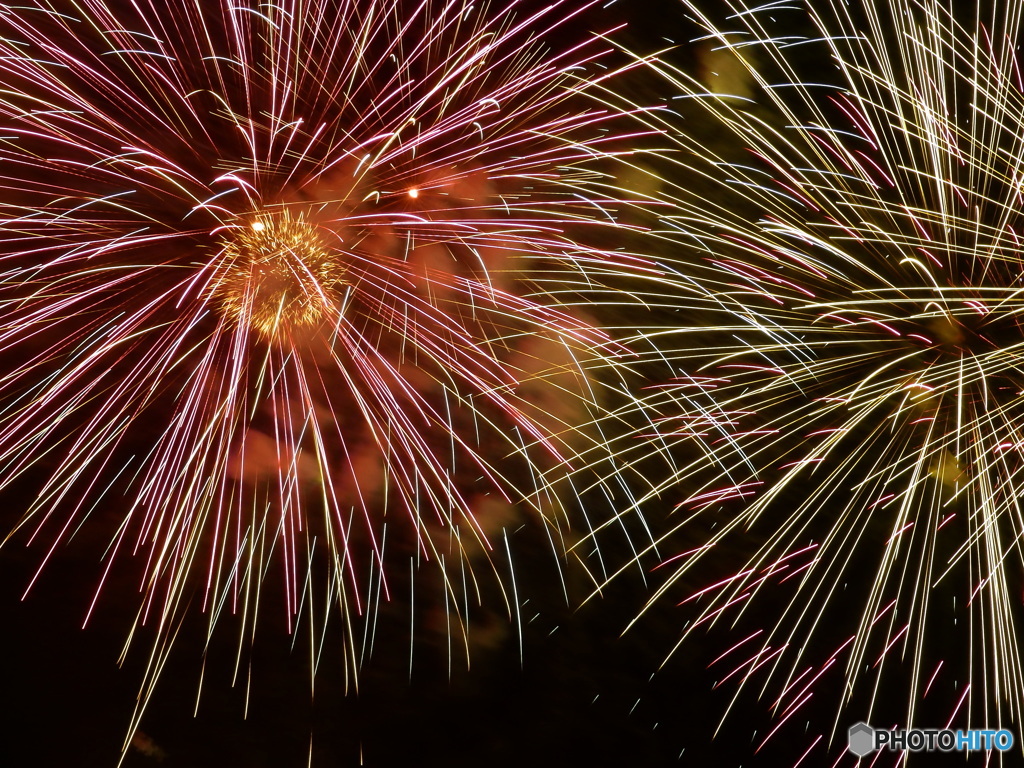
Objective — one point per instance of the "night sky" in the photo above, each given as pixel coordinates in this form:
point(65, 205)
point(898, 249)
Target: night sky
point(574, 689)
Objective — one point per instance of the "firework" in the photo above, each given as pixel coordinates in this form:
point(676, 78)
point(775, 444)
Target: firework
point(850, 386)
point(300, 288)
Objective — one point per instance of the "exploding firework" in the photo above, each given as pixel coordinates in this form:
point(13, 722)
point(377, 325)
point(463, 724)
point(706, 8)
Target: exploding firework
point(850, 386)
point(301, 286)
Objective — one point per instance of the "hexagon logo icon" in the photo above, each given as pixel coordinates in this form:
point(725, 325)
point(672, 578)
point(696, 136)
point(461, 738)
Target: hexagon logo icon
point(862, 739)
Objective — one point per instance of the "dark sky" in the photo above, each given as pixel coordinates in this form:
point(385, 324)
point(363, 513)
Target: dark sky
point(575, 692)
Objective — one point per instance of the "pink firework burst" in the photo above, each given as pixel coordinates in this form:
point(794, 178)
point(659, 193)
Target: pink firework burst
point(302, 286)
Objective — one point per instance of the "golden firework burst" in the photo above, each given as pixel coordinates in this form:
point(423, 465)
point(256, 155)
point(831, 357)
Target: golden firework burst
point(278, 276)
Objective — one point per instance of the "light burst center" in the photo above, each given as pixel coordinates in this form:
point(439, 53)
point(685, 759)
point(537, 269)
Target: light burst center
point(277, 277)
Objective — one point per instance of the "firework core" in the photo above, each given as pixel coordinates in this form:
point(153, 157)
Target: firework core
point(277, 277)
